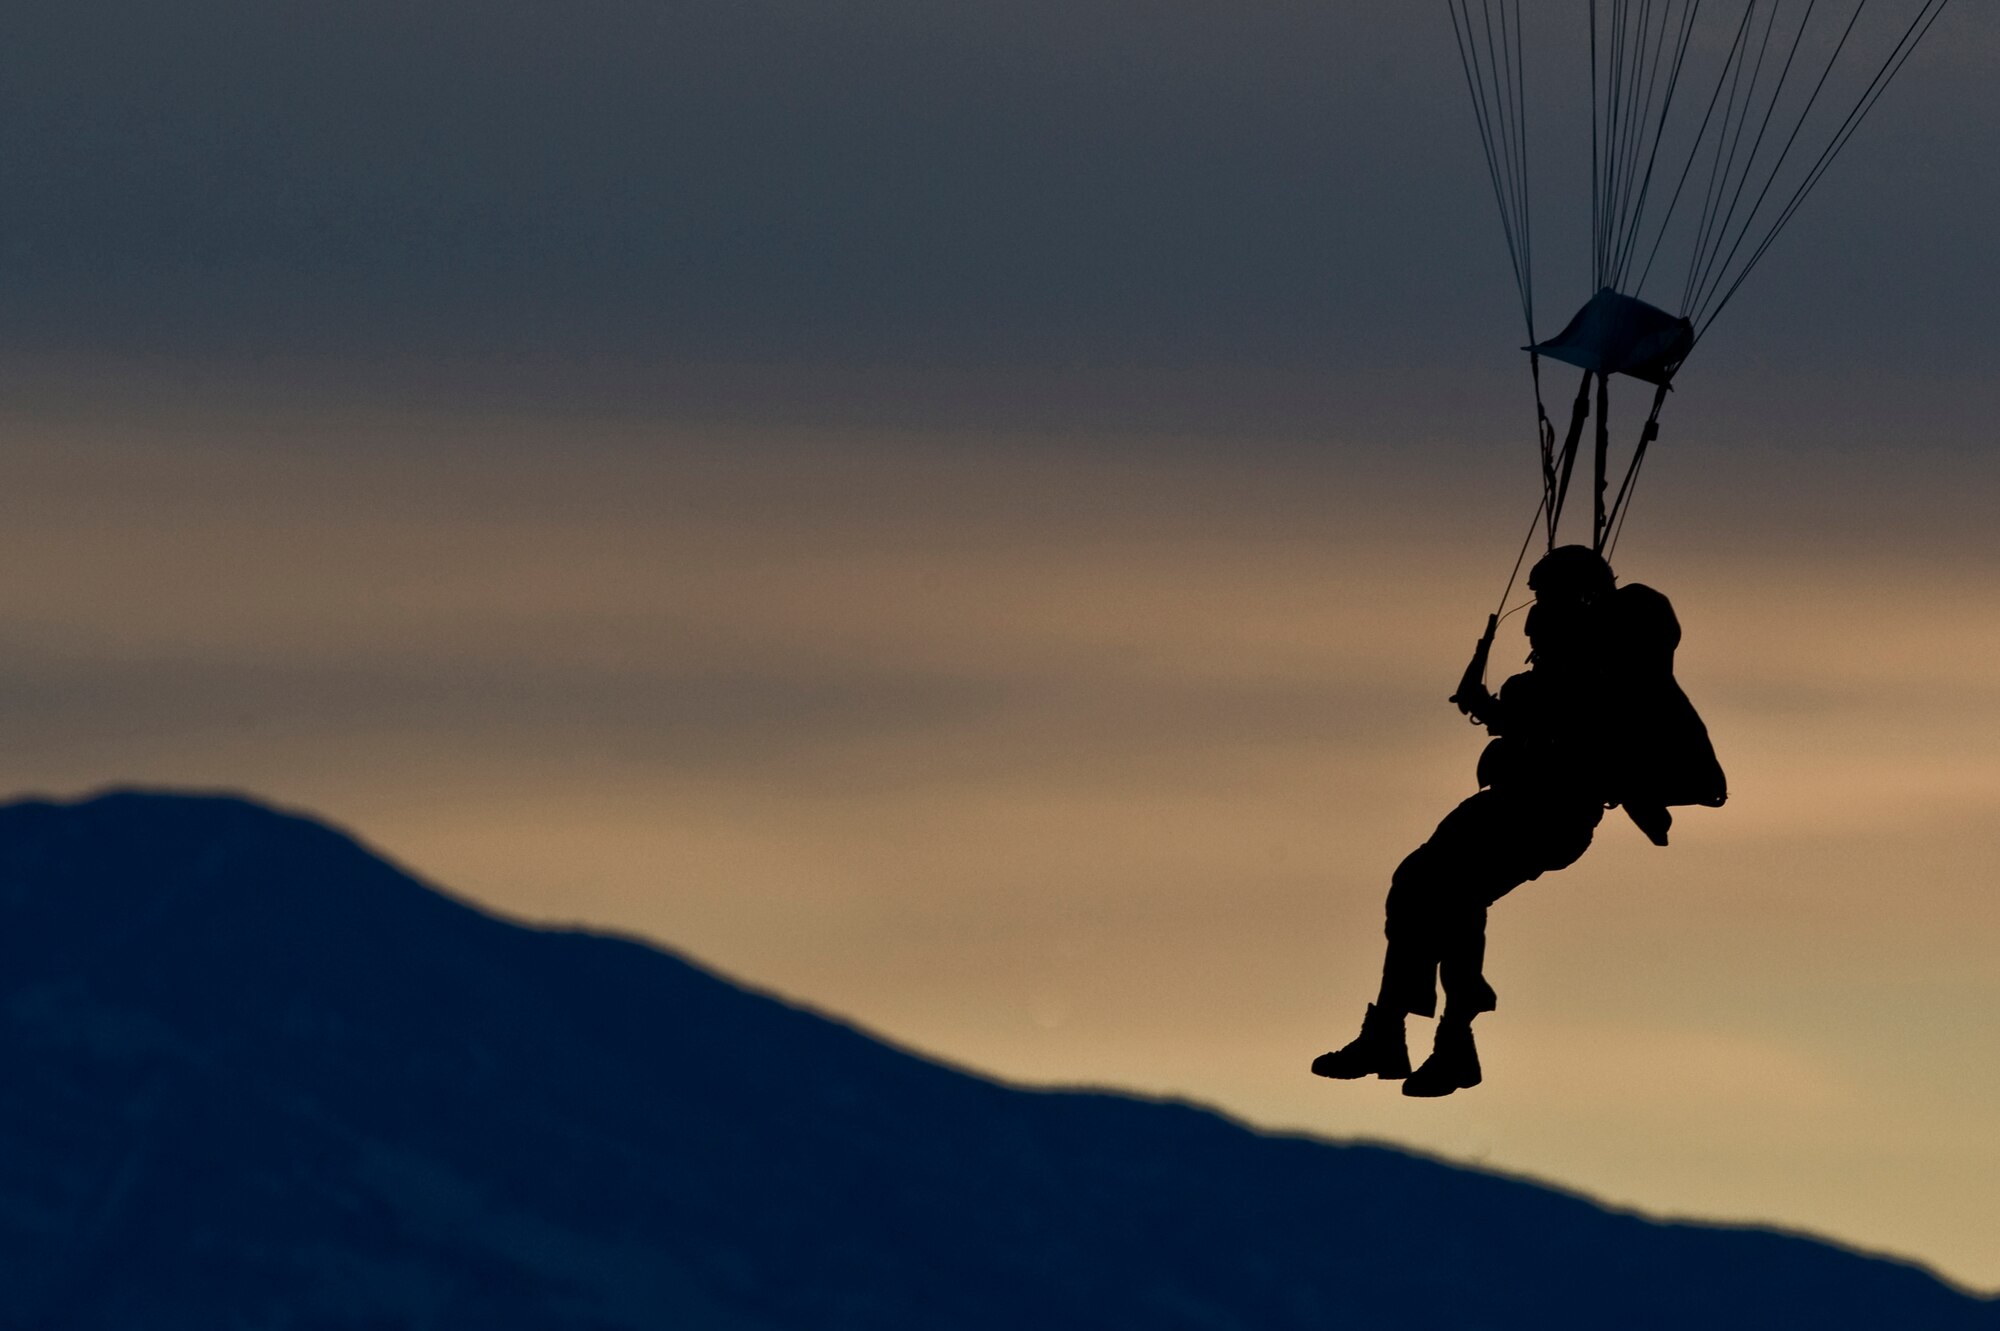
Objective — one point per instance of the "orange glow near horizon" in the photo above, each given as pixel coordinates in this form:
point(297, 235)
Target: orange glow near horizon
point(1081, 765)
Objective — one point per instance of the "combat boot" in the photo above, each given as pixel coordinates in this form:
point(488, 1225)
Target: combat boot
point(1379, 1051)
point(1452, 1066)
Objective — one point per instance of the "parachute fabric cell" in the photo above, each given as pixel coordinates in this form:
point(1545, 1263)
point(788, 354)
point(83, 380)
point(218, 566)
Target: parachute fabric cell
point(1619, 334)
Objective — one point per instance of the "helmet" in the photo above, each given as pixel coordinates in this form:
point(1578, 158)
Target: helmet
point(1572, 571)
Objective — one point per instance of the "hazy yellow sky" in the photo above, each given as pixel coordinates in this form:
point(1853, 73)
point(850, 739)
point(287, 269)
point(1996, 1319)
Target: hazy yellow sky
point(967, 516)
point(1084, 757)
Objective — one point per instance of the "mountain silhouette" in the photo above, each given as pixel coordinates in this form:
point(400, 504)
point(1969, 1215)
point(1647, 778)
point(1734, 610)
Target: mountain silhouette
point(258, 1077)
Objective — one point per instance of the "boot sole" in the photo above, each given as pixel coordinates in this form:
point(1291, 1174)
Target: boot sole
point(1389, 1074)
point(1422, 1092)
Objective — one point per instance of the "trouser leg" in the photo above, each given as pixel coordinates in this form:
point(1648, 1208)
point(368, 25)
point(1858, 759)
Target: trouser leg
point(1409, 978)
point(1436, 914)
point(1462, 968)
point(1417, 923)
point(1430, 941)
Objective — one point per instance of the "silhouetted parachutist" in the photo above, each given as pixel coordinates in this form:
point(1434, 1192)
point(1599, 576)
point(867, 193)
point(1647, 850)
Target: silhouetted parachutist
point(1595, 722)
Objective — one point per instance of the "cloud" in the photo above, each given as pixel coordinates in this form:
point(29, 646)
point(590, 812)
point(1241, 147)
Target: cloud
point(884, 180)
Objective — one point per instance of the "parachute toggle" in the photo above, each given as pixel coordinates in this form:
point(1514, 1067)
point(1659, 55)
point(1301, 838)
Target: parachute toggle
point(1618, 334)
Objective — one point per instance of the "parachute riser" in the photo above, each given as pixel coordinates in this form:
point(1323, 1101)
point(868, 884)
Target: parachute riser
point(1558, 465)
point(1597, 527)
point(1545, 436)
point(1579, 412)
point(1647, 434)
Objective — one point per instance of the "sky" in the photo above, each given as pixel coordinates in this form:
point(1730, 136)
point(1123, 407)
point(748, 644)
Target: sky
point(966, 517)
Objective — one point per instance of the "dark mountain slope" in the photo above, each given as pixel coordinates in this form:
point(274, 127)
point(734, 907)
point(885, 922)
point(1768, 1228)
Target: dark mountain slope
point(259, 1078)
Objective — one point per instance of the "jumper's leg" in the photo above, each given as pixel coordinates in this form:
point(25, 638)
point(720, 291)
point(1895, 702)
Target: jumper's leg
point(1462, 968)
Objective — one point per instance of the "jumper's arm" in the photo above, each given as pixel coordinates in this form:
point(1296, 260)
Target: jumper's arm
point(1472, 697)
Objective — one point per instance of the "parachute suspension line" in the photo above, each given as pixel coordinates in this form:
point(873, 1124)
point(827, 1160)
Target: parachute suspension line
point(1520, 558)
point(1635, 204)
point(1599, 180)
point(1718, 170)
point(1630, 57)
point(1694, 150)
point(1632, 81)
point(1906, 45)
point(1521, 137)
point(1625, 133)
point(1602, 185)
point(1513, 141)
point(1622, 260)
point(1495, 80)
point(1723, 166)
point(1713, 271)
point(1596, 201)
point(1613, 110)
point(1638, 114)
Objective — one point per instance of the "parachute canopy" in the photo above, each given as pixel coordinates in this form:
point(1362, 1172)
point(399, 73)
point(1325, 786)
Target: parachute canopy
point(1617, 334)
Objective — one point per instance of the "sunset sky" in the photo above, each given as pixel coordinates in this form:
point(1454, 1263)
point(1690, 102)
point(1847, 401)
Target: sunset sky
point(967, 518)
